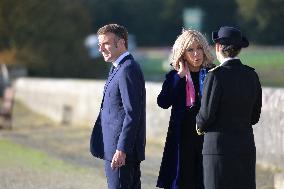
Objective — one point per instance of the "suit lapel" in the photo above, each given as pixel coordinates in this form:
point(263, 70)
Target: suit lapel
point(112, 74)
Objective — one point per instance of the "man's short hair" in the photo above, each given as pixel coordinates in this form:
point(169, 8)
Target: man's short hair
point(117, 30)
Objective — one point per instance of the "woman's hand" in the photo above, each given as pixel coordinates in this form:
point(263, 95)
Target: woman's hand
point(182, 69)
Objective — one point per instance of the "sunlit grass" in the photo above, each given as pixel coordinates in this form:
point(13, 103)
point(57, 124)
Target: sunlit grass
point(16, 156)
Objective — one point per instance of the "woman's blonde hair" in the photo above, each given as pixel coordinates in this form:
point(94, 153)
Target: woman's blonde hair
point(184, 41)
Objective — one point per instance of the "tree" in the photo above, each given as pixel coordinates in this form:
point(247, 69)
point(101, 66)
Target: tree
point(154, 23)
point(216, 14)
point(263, 20)
point(48, 35)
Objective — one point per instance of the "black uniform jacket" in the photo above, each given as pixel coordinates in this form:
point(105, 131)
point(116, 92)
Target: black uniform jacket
point(231, 104)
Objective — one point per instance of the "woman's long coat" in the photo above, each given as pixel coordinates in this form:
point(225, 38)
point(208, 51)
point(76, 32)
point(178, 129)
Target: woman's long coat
point(173, 94)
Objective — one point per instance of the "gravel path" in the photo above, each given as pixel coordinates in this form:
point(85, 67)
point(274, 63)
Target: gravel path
point(31, 179)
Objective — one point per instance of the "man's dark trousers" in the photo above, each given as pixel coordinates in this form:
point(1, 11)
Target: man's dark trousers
point(125, 177)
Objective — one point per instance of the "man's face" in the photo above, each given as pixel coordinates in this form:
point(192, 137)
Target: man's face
point(110, 46)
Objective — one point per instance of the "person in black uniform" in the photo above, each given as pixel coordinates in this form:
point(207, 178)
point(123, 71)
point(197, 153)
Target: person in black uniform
point(181, 166)
point(231, 104)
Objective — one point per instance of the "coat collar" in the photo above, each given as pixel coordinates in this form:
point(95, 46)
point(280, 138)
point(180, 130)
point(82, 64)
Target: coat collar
point(232, 62)
point(129, 56)
point(227, 59)
point(118, 60)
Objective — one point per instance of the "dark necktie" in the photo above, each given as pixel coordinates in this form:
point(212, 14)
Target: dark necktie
point(111, 70)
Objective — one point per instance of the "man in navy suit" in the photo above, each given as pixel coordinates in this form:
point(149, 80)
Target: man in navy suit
point(119, 134)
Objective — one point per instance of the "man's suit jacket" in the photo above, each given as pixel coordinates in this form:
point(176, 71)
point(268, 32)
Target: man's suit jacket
point(121, 124)
point(230, 105)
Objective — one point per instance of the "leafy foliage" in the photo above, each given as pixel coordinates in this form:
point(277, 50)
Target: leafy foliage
point(48, 36)
point(263, 19)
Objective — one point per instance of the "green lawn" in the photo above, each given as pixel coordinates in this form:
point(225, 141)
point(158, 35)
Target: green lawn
point(16, 156)
point(263, 56)
point(267, 61)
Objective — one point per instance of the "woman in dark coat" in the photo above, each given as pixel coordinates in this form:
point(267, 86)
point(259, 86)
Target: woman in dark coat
point(181, 166)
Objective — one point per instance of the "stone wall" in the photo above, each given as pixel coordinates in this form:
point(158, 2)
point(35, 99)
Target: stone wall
point(78, 101)
point(269, 132)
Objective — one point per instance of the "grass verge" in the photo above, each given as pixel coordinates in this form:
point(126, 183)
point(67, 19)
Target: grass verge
point(16, 156)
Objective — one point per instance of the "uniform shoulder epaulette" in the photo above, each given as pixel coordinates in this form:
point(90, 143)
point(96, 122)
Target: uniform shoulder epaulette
point(251, 68)
point(212, 69)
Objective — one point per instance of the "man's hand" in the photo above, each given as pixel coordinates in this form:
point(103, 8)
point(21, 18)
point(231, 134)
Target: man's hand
point(118, 159)
point(199, 132)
